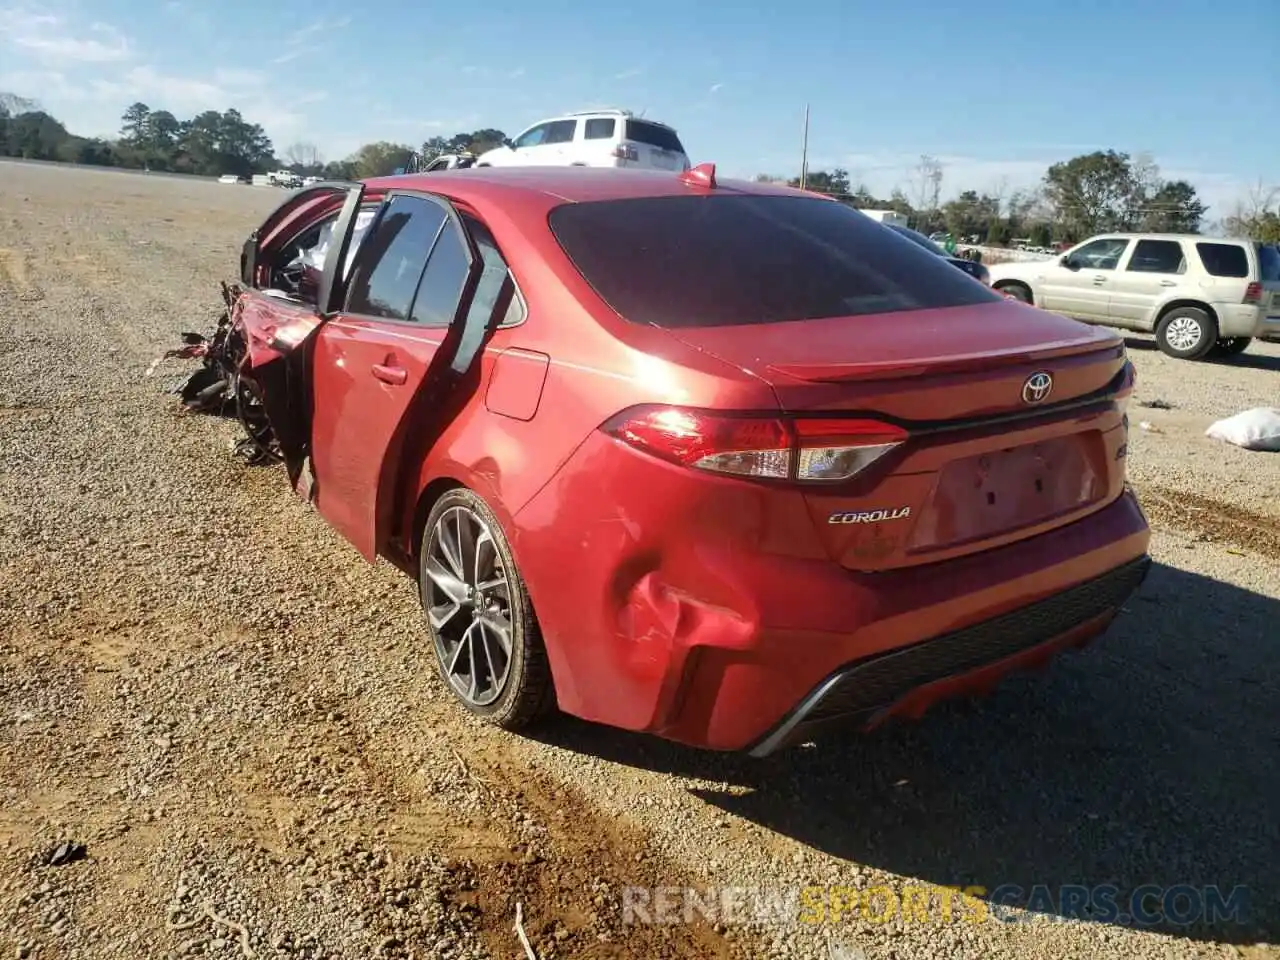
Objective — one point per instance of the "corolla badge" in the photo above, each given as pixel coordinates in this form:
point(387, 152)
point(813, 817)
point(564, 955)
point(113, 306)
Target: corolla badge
point(869, 516)
point(1037, 388)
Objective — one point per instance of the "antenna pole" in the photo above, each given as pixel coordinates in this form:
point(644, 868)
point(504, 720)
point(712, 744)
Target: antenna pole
point(804, 150)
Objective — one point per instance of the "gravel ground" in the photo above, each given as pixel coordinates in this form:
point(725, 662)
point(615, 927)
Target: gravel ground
point(223, 728)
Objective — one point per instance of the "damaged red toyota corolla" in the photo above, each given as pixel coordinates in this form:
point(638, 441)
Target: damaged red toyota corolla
point(724, 462)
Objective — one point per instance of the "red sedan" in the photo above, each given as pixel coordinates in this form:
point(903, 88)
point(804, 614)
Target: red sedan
point(725, 462)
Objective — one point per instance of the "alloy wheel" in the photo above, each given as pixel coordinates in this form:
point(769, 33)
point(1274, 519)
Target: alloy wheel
point(468, 602)
point(1184, 333)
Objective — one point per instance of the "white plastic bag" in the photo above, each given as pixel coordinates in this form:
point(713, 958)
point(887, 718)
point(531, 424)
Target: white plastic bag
point(1256, 429)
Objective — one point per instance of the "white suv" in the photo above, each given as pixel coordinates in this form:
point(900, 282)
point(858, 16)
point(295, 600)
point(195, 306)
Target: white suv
point(1197, 294)
point(599, 138)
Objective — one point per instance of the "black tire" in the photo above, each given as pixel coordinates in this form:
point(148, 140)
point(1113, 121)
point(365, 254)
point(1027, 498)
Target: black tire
point(525, 691)
point(1019, 291)
point(1186, 333)
point(1230, 346)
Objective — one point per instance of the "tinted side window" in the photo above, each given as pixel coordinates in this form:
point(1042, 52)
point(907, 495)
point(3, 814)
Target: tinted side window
point(687, 261)
point(654, 135)
point(494, 285)
point(560, 131)
point(1223, 259)
point(1158, 256)
point(392, 257)
point(1101, 254)
point(600, 128)
point(1269, 261)
point(443, 280)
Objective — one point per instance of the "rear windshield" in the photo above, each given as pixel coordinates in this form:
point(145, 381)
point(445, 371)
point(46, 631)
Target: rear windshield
point(1269, 261)
point(1224, 259)
point(720, 261)
point(654, 135)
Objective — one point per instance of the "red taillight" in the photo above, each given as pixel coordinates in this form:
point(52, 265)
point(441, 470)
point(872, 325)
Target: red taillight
point(757, 446)
point(1252, 293)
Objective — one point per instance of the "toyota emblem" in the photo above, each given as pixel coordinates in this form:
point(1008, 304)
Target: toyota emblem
point(1037, 388)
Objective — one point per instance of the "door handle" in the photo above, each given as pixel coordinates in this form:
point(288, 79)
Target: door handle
point(396, 376)
point(1168, 283)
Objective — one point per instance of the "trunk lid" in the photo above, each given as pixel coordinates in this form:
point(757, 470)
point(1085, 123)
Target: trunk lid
point(987, 458)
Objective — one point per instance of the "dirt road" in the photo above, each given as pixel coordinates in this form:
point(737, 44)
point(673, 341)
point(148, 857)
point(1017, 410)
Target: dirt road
point(239, 720)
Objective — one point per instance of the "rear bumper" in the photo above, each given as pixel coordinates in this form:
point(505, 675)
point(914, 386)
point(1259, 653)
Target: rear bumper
point(1245, 320)
point(708, 611)
point(908, 680)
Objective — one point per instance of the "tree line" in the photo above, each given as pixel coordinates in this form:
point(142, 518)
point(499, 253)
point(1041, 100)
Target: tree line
point(1101, 191)
point(1092, 193)
point(209, 144)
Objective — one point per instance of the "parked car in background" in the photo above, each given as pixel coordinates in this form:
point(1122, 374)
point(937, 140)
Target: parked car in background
point(972, 267)
point(1199, 295)
point(445, 161)
point(803, 479)
point(598, 138)
point(890, 218)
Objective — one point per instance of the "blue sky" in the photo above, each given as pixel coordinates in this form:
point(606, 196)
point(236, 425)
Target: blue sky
point(995, 90)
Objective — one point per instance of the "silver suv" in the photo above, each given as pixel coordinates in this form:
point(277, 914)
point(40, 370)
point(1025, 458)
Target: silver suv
point(1197, 294)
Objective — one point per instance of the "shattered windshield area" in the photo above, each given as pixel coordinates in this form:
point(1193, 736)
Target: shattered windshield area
point(314, 255)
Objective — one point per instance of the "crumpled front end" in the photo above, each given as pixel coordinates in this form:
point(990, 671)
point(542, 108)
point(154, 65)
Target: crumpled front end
point(225, 383)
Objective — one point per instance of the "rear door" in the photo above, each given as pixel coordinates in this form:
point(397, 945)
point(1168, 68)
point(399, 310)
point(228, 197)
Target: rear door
point(1148, 276)
point(599, 146)
point(388, 361)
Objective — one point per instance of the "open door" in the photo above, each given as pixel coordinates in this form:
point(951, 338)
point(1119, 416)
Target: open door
point(388, 384)
point(281, 343)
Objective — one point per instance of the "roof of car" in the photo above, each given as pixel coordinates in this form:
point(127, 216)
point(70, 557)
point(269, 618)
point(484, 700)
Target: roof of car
point(1142, 235)
point(572, 184)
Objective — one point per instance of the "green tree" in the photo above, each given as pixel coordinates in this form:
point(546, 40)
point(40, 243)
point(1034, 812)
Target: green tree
point(34, 136)
point(834, 182)
point(161, 139)
point(380, 159)
point(1091, 193)
point(1173, 207)
point(1256, 216)
point(133, 124)
point(1041, 234)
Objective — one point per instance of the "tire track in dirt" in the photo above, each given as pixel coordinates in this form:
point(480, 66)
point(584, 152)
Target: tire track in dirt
point(1212, 520)
point(16, 276)
point(565, 862)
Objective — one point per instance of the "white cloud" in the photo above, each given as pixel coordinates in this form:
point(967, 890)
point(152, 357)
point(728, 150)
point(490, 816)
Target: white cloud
point(716, 88)
point(50, 39)
point(628, 74)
